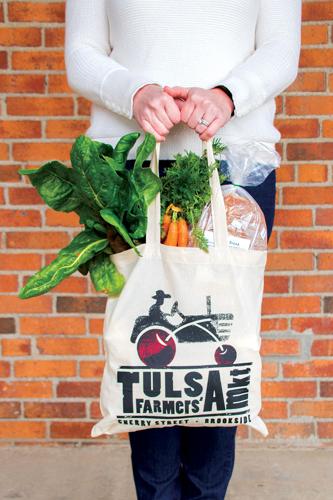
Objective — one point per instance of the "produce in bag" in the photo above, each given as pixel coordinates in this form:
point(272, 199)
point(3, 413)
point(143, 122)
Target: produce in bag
point(245, 220)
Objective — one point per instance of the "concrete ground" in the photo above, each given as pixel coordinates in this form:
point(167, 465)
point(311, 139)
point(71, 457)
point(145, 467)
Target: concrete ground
point(104, 473)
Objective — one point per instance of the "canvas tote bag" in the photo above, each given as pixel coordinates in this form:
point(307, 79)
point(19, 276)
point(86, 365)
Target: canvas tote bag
point(182, 341)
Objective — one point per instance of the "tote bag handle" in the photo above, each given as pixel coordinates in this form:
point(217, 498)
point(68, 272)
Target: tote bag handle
point(219, 216)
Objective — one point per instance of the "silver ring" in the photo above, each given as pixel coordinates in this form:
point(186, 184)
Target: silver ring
point(204, 122)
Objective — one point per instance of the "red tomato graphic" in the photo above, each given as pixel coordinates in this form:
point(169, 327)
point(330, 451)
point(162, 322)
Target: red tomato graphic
point(156, 348)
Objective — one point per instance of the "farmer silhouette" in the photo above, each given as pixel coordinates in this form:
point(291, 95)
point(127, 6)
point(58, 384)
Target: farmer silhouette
point(155, 312)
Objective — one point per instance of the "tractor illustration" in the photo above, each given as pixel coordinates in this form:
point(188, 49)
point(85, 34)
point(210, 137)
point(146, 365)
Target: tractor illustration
point(158, 333)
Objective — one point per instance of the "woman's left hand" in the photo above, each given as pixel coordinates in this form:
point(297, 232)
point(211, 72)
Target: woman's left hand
point(213, 105)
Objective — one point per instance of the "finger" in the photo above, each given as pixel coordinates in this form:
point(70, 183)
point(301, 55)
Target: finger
point(196, 115)
point(162, 115)
point(158, 125)
point(147, 127)
point(209, 116)
point(173, 108)
point(176, 91)
point(212, 129)
point(186, 111)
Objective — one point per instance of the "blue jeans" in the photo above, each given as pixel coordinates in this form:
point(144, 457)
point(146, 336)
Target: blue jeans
point(191, 463)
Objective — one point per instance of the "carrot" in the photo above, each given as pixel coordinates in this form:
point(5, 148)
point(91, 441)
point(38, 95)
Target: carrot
point(166, 224)
point(183, 234)
point(172, 236)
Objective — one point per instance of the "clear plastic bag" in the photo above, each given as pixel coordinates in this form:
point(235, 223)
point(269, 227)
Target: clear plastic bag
point(245, 219)
point(248, 164)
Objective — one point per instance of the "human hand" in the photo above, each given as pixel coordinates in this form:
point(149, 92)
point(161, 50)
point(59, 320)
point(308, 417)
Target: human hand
point(194, 103)
point(155, 111)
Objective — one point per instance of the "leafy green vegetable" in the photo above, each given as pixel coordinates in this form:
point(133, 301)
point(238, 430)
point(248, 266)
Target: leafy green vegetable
point(81, 249)
point(105, 276)
point(186, 185)
point(111, 201)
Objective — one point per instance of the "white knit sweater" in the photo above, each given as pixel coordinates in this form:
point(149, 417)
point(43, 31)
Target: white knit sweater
point(114, 47)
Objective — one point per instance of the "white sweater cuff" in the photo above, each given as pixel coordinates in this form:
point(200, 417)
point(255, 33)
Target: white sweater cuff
point(118, 89)
point(247, 92)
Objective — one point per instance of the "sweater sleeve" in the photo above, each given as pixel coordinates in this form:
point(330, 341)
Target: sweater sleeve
point(273, 65)
point(91, 71)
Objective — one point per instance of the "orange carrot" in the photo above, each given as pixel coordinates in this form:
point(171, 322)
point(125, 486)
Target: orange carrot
point(166, 224)
point(172, 236)
point(183, 234)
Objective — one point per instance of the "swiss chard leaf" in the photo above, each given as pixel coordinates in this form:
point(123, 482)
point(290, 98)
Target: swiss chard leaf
point(56, 184)
point(105, 276)
point(81, 249)
point(112, 219)
point(123, 147)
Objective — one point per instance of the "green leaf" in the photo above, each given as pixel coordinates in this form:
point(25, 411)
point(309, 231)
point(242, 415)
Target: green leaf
point(144, 150)
point(81, 249)
point(112, 219)
point(105, 275)
point(56, 184)
point(123, 147)
point(104, 149)
point(99, 183)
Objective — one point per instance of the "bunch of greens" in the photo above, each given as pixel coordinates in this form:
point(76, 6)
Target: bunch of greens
point(186, 185)
point(111, 201)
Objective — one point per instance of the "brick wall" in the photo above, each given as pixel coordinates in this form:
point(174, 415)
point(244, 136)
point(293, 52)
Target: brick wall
point(51, 347)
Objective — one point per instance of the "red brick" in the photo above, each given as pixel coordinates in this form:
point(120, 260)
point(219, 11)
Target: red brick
point(58, 84)
point(7, 325)
point(54, 218)
point(328, 128)
point(274, 324)
point(91, 369)
point(314, 34)
point(312, 173)
point(71, 430)
point(20, 129)
point(38, 60)
point(288, 389)
point(325, 430)
point(41, 151)
point(3, 59)
point(67, 128)
point(313, 283)
point(45, 368)
point(290, 305)
point(309, 105)
point(82, 346)
point(294, 218)
point(96, 326)
point(78, 389)
point(24, 196)
point(13, 304)
point(291, 128)
point(22, 83)
point(289, 261)
point(289, 430)
point(317, 11)
point(322, 348)
point(8, 283)
point(324, 216)
point(4, 369)
point(52, 325)
point(315, 58)
point(40, 106)
point(54, 37)
point(37, 12)
point(9, 173)
point(22, 218)
point(307, 195)
point(326, 389)
point(285, 173)
point(308, 82)
point(54, 410)
point(311, 369)
point(276, 284)
point(322, 325)
point(306, 239)
point(274, 409)
point(40, 239)
point(300, 151)
point(279, 347)
point(31, 389)
point(22, 430)
point(16, 347)
point(10, 409)
point(17, 261)
point(325, 261)
point(20, 36)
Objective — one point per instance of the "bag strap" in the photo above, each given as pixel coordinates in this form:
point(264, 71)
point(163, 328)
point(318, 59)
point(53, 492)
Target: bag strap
point(219, 218)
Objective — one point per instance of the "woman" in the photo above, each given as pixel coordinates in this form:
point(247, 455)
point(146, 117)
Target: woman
point(184, 70)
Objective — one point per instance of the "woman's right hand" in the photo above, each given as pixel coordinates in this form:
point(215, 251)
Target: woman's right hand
point(155, 111)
